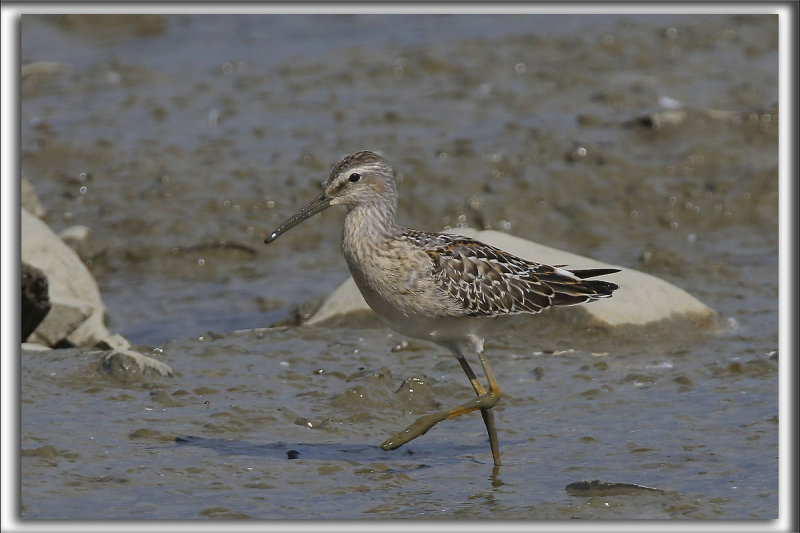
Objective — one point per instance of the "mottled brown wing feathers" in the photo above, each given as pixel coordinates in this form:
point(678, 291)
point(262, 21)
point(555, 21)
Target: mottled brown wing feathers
point(488, 281)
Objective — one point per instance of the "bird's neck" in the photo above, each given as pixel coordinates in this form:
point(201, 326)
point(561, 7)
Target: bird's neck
point(368, 225)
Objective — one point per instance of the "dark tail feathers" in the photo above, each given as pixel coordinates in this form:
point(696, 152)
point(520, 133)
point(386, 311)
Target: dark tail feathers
point(601, 288)
point(593, 272)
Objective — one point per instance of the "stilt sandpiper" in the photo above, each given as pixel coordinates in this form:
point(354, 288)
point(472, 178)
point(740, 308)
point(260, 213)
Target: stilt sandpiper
point(437, 287)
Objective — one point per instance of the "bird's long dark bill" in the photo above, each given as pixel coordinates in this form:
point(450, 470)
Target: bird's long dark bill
point(320, 203)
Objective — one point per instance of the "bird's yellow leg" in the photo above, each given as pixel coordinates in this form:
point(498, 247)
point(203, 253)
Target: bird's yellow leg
point(424, 423)
point(484, 401)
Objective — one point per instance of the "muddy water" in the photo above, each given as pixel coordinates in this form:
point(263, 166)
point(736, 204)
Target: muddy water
point(181, 140)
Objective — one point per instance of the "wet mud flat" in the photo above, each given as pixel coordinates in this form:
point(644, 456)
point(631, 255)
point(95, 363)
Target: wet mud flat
point(645, 142)
point(287, 422)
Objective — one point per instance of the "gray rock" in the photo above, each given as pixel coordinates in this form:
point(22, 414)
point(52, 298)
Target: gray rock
point(130, 365)
point(641, 299)
point(114, 342)
point(35, 299)
point(77, 312)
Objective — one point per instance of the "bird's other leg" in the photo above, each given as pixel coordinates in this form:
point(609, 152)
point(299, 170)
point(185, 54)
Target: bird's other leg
point(488, 416)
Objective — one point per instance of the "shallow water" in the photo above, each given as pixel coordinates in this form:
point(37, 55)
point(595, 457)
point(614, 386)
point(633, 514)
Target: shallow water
point(171, 135)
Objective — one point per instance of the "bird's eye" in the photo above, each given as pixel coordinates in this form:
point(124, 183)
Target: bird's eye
point(354, 177)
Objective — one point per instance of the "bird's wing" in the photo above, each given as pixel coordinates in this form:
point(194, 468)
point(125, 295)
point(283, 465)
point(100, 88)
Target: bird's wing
point(488, 281)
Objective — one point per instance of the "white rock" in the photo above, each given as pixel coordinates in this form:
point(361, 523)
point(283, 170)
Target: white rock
point(35, 347)
point(77, 238)
point(77, 312)
point(77, 233)
point(29, 199)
